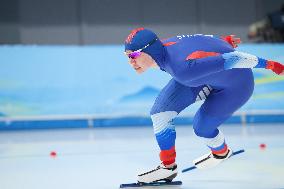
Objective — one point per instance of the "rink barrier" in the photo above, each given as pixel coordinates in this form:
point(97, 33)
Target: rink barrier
point(92, 121)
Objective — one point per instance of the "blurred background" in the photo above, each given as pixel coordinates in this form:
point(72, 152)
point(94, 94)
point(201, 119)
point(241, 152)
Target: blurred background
point(89, 22)
point(62, 61)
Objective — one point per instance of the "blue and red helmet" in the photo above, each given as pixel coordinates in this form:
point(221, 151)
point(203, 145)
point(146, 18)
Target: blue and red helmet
point(140, 38)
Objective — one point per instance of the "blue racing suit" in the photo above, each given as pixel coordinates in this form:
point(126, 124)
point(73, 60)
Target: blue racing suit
point(200, 66)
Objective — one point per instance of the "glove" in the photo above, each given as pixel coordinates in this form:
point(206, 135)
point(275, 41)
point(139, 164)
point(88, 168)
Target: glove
point(232, 40)
point(275, 67)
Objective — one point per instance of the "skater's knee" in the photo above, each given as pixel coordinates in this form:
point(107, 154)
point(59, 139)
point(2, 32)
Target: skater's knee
point(199, 132)
point(163, 120)
point(205, 132)
point(157, 107)
point(205, 125)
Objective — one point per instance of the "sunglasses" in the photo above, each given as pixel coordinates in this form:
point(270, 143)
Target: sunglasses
point(137, 53)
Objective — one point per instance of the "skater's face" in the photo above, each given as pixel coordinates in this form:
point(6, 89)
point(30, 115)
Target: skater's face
point(140, 63)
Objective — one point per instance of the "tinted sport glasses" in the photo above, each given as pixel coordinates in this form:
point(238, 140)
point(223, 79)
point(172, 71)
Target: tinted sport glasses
point(137, 53)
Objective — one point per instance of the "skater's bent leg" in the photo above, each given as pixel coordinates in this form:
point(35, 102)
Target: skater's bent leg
point(216, 110)
point(171, 101)
point(206, 127)
point(165, 134)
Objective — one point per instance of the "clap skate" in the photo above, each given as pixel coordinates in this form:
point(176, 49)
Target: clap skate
point(211, 160)
point(157, 177)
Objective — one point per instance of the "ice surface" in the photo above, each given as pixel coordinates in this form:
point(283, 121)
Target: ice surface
point(103, 158)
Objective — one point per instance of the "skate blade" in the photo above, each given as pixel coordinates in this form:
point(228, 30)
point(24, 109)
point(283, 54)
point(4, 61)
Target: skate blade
point(194, 167)
point(159, 183)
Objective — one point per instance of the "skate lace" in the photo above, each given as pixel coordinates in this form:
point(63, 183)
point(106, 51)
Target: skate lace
point(159, 167)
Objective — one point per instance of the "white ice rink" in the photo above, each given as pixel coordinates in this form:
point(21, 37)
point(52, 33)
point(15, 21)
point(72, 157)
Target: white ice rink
point(102, 158)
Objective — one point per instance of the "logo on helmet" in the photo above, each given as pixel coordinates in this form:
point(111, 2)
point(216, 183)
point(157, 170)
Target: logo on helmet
point(132, 34)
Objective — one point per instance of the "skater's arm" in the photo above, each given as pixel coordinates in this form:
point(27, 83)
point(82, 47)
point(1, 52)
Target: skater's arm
point(238, 59)
point(232, 40)
point(197, 68)
point(276, 67)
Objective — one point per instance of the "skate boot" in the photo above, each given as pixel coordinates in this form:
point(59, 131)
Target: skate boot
point(211, 160)
point(161, 173)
